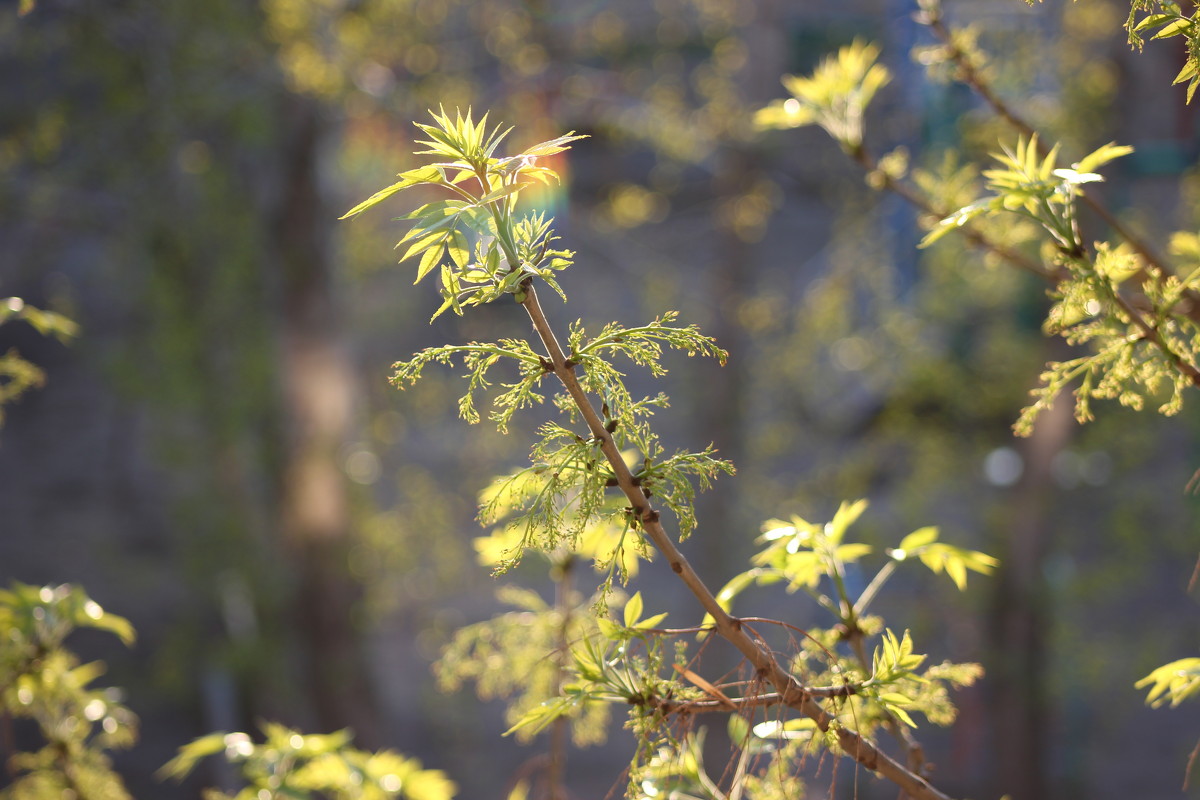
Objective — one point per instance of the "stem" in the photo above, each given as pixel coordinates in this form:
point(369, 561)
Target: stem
point(846, 608)
point(743, 703)
point(874, 586)
point(906, 193)
point(556, 770)
point(1154, 335)
point(794, 693)
point(1016, 259)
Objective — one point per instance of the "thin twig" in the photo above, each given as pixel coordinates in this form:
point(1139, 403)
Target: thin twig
point(969, 232)
point(742, 703)
point(1154, 335)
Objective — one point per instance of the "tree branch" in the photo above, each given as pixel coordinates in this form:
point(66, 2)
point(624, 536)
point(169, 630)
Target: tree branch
point(932, 18)
point(975, 237)
point(791, 691)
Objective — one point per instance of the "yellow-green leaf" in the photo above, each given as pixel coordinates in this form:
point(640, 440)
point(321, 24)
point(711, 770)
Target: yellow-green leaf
point(429, 261)
point(412, 177)
point(633, 610)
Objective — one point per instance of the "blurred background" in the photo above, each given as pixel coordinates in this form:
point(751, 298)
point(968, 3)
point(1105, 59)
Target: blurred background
point(219, 457)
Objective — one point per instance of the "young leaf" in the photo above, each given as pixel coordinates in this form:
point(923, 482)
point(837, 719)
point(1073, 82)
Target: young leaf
point(1176, 682)
point(633, 610)
point(427, 174)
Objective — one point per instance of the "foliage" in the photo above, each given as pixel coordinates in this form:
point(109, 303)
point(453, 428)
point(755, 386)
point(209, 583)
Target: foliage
point(44, 682)
point(290, 764)
point(16, 374)
point(1137, 353)
point(548, 506)
point(834, 98)
point(1134, 311)
point(1174, 682)
point(493, 252)
point(1165, 20)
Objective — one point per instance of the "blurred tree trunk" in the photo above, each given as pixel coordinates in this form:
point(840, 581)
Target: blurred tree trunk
point(721, 417)
point(1021, 617)
point(738, 175)
point(318, 396)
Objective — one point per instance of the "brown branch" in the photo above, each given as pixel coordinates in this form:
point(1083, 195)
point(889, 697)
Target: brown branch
point(1191, 762)
point(1150, 332)
point(932, 18)
point(792, 692)
point(975, 237)
point(733, 704)
point(1154, 335)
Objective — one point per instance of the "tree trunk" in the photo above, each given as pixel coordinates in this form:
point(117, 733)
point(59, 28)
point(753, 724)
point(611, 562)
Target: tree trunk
point(1021, 618)
point(318, 397)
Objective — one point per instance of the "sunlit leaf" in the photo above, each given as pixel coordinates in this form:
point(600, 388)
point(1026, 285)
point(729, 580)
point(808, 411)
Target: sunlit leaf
point(633, 610)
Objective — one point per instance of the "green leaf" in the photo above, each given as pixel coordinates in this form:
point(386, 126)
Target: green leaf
point(895, 698)
point(192, 753)
point(429, 261)
point(956, 220)
point(502, 192)
point(849, 553)
point(955, 561)
point(1101, 156)
point(1181, 25)
point(633, 610)
point(553, 146)
point(460, 251)
point(651, 622)
point(1177, 681)
point(846, 515)
point(1189, 71)
point(539, 717)
point(1154, 21)
point(412, 177)
point(739, 729)
point(916, 540)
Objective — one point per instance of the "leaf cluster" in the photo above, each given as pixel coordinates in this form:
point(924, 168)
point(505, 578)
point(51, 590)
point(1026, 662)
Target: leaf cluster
point(1032, 185)
point(835, 97)
point(1135, 354)
point(1172, 683)
point(311, 766)
point(41, 680)
point(554, 503)
point(491, 252)
point(1164, 19)
point(18, 375)
point(512, 656)
point(813, 556)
